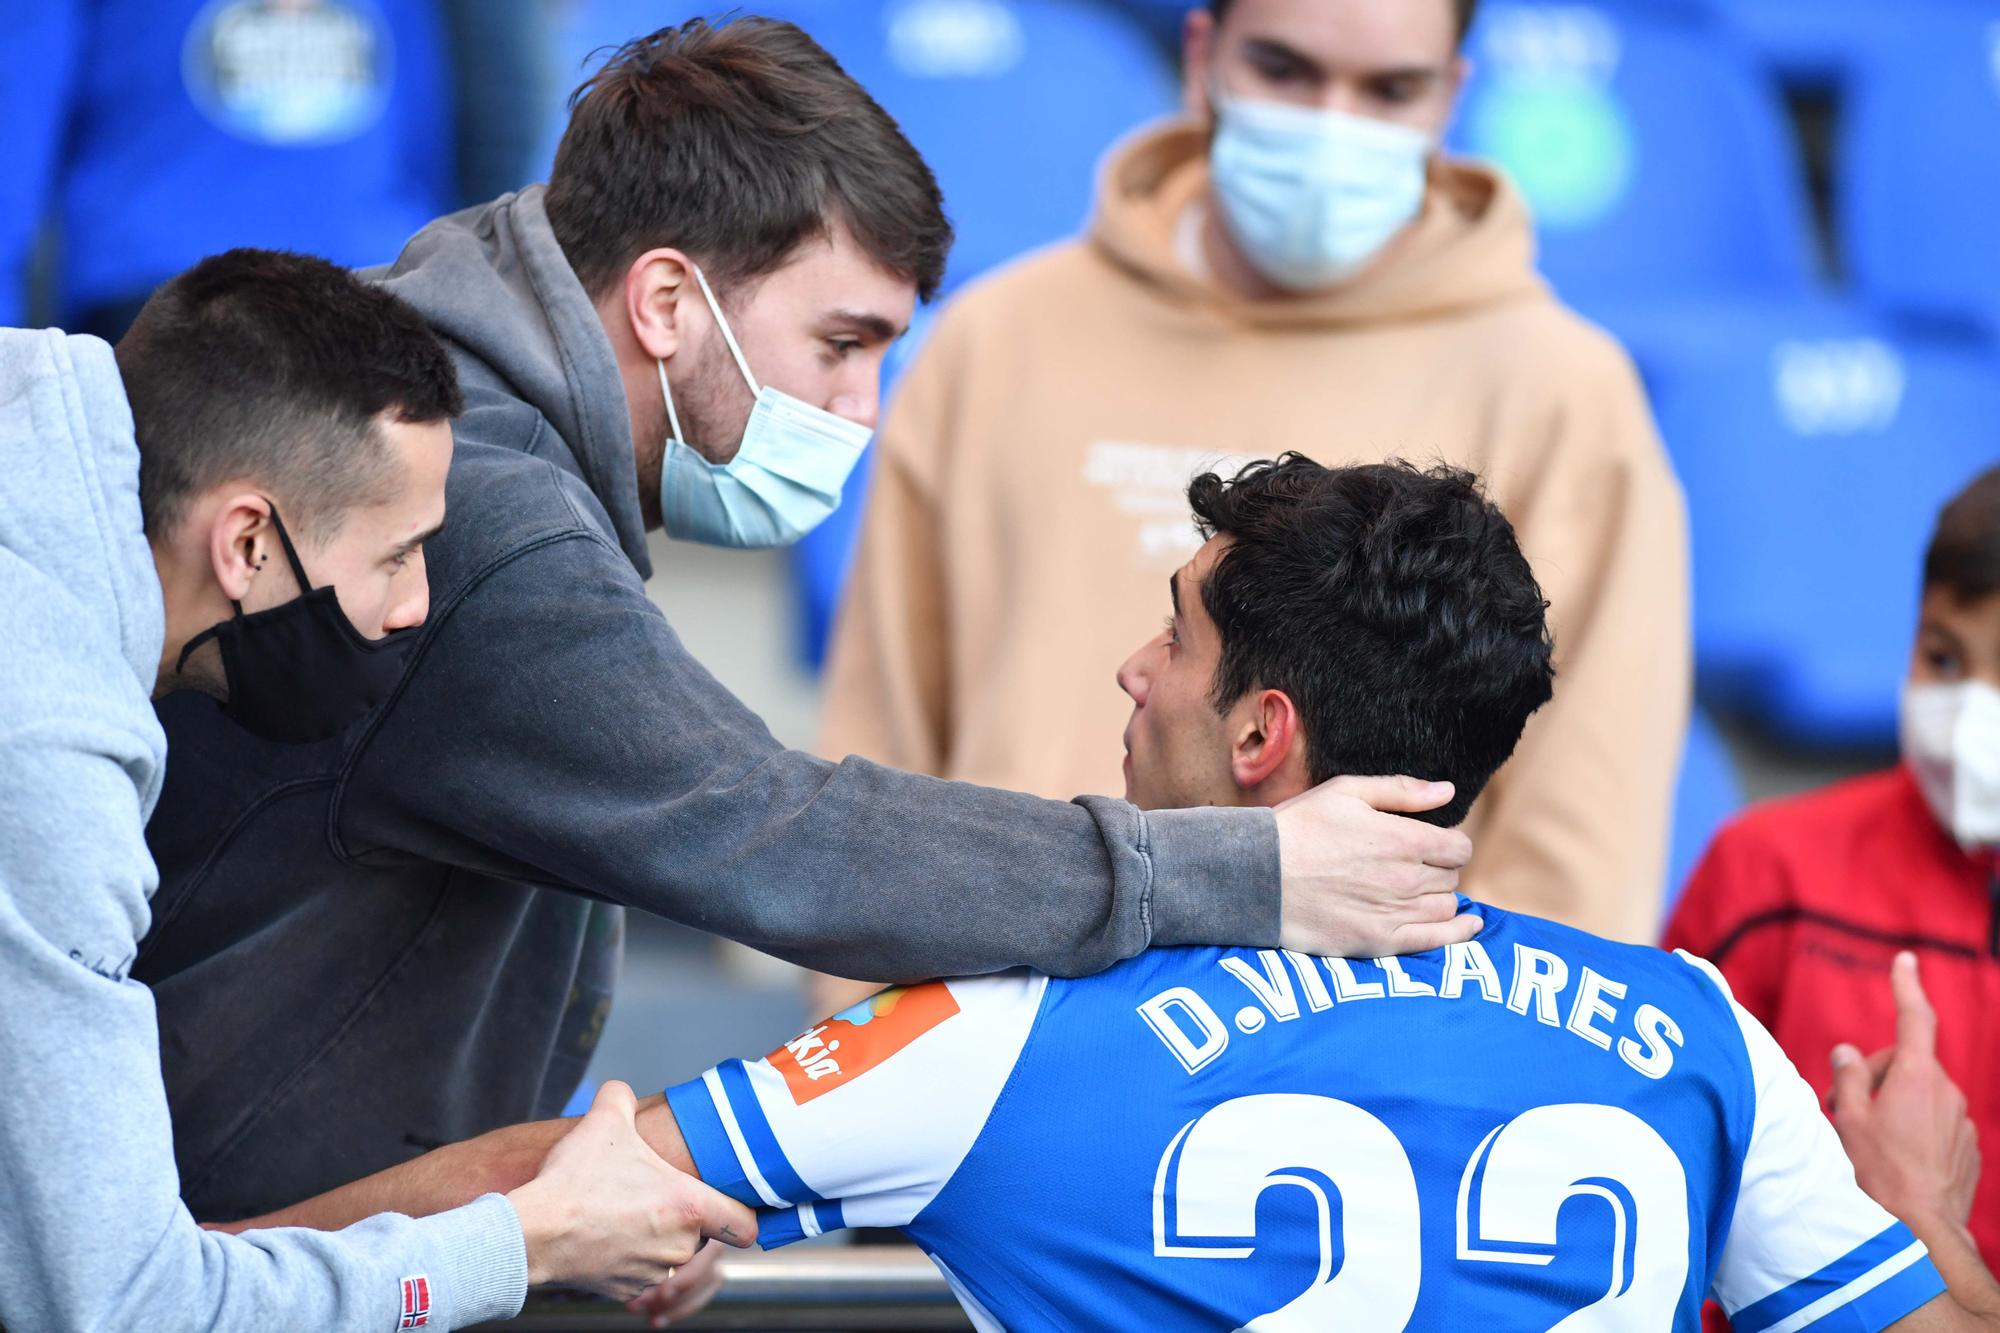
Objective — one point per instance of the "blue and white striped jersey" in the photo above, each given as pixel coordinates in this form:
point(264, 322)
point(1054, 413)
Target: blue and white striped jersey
point(1537, 1130)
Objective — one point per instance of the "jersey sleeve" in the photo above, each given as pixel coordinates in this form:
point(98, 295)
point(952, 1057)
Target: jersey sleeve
point(860, 1120)
point(1807, 1248)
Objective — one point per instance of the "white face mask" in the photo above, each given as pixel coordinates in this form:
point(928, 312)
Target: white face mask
point(1951, 741)
point(1311, 196)
point(785, 479)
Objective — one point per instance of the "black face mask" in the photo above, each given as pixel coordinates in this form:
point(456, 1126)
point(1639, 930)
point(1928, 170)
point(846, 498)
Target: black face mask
point(301, 672)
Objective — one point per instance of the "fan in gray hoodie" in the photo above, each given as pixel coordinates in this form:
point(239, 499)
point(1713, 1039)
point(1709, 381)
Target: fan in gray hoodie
point(93, 1233)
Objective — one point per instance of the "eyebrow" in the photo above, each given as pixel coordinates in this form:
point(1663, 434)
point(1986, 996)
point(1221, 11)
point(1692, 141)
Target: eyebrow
point(1273, 49)
point(1174, 592)
point(405, 547)
point(1926, 625)
point(1415, 73)
point(866, 322)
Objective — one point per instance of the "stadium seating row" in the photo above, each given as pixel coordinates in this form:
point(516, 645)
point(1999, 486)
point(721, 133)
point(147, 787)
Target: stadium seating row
point(1817, 426)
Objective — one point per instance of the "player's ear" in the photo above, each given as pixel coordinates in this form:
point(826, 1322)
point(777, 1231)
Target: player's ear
point(1265, 738)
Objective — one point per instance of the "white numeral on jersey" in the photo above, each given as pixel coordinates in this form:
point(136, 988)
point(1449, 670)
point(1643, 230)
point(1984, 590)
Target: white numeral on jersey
point(1222, 1162)
point(1529, 1167)
point(1510, 1195)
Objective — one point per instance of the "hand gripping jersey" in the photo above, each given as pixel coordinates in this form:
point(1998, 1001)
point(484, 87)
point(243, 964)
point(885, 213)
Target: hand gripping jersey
point(1536, 1130)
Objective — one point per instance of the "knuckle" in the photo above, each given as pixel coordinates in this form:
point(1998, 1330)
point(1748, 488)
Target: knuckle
point(684, 1216)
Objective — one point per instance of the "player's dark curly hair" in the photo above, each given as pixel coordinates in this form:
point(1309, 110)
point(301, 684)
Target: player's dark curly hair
point(1391, 603)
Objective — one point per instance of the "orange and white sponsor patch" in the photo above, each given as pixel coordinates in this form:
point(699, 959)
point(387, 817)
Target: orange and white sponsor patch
point(855, 1040)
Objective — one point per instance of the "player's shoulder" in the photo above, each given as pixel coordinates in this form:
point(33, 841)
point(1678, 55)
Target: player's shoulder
point(1685, 987)
point(961, 1020)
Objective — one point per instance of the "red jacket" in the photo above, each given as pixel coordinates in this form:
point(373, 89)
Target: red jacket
point(1803, 902)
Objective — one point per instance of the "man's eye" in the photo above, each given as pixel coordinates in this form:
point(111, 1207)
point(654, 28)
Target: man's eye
point(1173, 632)
point(1398, 92)
point(1943, 662)
point(1280, 71)
point(843, 347)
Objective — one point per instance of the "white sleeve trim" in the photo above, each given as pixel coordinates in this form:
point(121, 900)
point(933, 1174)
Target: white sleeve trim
point(1852, 1292)
point(744, 1157)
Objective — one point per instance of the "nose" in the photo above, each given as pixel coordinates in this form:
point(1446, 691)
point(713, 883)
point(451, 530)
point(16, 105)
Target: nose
point(1135, 676)
point(857, 407)
point(410, 603)
point(1346, 96)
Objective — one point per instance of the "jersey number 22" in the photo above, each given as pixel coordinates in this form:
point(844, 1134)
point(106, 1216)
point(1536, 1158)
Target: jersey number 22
point(1509, 1196)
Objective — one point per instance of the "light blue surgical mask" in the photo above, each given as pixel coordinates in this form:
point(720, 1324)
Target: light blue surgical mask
point(785, 479)
point(1311, 196)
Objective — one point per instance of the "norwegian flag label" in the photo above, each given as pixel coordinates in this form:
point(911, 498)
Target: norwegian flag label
point(416, 1302)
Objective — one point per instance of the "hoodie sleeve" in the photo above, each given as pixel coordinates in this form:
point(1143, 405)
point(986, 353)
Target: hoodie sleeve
point(96, 1235)
point(1574, 827)
point(586, 749)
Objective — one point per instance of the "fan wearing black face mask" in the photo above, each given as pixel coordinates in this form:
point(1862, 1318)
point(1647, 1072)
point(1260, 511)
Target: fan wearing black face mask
point(300, 671)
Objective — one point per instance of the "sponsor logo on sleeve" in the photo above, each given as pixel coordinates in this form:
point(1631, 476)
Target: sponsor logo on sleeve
point(854, 1041)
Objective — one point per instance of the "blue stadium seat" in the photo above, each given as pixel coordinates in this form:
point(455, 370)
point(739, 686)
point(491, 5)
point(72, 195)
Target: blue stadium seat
point(1817, 43)
point(1162, 18)
point(1655, 156)
point(1920, 164)
point(37, 64)
point(1707, 794)
point(1816, 446)
point(199, 126)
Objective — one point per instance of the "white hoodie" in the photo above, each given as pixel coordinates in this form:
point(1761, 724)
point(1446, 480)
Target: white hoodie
point(93, 1234)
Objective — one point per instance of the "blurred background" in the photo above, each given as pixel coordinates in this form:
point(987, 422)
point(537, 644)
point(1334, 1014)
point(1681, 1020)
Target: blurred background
point(1782, 207)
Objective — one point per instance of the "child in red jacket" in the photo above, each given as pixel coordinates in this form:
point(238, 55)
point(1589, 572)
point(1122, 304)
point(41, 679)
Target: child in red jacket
point(1803, 902)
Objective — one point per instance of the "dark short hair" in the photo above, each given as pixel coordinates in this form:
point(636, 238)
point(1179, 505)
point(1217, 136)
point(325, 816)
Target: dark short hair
point(1391, 603)
point(1465, 11)
point(737, 143)
point(1964, 554)
point(274, 367)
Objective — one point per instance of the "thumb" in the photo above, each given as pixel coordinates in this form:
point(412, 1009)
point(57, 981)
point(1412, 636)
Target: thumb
point(1852, 1083)
point(722, 1217)
point(1916, 1021)
point(1399, 795)
point(615, 1099)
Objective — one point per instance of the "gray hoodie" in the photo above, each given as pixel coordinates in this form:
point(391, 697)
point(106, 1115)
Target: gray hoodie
point(93, 1234)
point(402, 913)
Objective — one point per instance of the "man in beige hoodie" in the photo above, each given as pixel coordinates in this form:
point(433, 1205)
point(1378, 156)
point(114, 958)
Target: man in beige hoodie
point(1296, 268)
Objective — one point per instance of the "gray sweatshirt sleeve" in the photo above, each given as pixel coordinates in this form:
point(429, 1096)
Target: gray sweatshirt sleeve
point(94, 1235)
point(556, 731)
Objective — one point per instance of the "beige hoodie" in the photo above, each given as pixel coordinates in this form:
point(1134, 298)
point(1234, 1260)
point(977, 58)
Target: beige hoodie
point(1028, 505)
